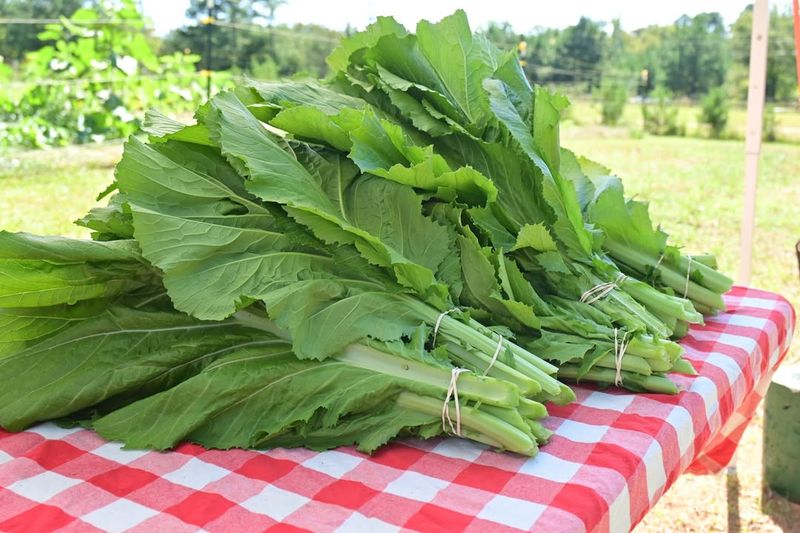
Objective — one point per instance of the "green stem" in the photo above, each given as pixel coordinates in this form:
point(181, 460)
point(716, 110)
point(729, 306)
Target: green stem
point(631, 363)
point(517, 350)
point(713, 279)
point(260, 321)
point(653, 383)
point(480, 343)
point(531, 409)
point(511, 417)
point(681, 329)
point(479, 362)
point(541, 433)
point(507, 436)
point(477, 388)
point(645, 346)
point(662, 305)
point(642, 262)
point(683, 366)
point(485, 340)
point(705, 259)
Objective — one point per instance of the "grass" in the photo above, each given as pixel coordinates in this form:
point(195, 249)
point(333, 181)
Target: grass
point(44, 191)
point(584, 112)
point(695, 190)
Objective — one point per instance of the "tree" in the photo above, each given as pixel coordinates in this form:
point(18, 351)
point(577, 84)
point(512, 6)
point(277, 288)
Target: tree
point(695, 55)
point(232, 45)
point(581, 49)
point(18, 39)
point(781, 79)
point(542, 54)
point(503, 36)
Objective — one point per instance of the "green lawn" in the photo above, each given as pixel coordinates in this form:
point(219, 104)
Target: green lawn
point(695, 190)
point(44, 191)
point(585, 112)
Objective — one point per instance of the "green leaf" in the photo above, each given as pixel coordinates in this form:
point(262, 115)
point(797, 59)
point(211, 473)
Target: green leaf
point(572, 168)
point(554, 347)
point(25, 326)
point(383, 149)
point(537, 237)
point(81, 365)
point(214, 234)
point(340, 57)
point(112, 222)
point(558, 192)
point(368, 431)
point(45, 271)
point(383, 219)
point(546, 116)
point(252, 395)
point(481, 287)
point(461, 62)
point(306, 93)
point(624, 221)
point(325, 316)
point(308, 122)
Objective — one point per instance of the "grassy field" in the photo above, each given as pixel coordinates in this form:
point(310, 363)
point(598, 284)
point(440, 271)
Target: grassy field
point(585, 112)
point(695, 189)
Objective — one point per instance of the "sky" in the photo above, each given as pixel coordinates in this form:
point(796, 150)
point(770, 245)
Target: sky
point(524, 15)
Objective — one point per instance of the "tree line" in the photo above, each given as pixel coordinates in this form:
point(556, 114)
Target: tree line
point(688, 58)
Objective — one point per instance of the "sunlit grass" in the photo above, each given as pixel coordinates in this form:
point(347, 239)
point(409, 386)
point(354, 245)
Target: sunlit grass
point(44, 191)
point(585, 112)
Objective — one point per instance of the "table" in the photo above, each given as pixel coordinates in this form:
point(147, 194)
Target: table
point(612, 456)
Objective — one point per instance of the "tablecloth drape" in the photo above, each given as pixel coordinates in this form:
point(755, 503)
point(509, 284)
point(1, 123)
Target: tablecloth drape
point(612, 456)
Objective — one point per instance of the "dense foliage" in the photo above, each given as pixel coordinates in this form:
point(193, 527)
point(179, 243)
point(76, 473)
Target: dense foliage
point(97, 79)
point(121, 68)
point(404, 249)
point(714, 111)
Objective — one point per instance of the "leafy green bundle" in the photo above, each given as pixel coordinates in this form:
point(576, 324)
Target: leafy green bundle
point(404, 249)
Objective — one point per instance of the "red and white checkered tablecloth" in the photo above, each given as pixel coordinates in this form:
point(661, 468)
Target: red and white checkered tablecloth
point(612, 456)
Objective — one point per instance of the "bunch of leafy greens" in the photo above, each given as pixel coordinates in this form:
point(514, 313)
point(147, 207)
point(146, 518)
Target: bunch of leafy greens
point(404, 249)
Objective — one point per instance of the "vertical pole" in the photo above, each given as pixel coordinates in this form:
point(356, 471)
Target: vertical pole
point(752, 143)
point(796, 10)
point(209, 22)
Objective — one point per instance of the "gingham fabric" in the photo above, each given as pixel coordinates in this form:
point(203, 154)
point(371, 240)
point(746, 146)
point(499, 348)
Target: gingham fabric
point(612, 456)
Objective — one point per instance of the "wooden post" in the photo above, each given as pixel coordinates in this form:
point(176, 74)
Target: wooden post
point(782, 433)
point(752, 144)
point(796, 10)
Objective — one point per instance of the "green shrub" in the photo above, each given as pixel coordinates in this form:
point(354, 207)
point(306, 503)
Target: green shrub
point(613, 97)
point(769, 125)
point(100, 79)
point(660, 116)
point(714, 111)
point(263, 69)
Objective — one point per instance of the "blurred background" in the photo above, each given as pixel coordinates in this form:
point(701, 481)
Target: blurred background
point(76, 71)
point(658, 93)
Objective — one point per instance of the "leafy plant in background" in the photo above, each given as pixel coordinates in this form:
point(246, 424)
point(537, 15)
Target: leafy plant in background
point(660, 115)
point(714, 111)
point(613, 96)
point(93, 81)
point(770, 125)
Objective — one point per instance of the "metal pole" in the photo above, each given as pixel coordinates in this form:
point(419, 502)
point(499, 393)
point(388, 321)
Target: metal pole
point(752, 144)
